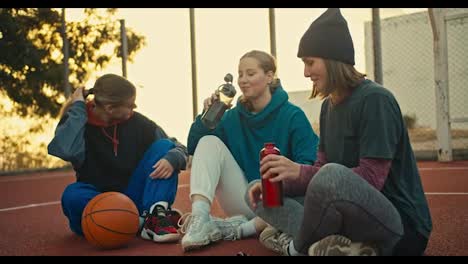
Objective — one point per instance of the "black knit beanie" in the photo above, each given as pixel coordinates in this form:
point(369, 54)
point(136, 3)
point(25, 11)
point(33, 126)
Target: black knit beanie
point(328, 37)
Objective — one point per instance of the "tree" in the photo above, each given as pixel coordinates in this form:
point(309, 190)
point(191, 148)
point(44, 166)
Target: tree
point(31, 68)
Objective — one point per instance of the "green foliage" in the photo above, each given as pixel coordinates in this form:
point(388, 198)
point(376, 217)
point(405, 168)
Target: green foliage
point(31, 68)
point(23, 143)
point(20, 153)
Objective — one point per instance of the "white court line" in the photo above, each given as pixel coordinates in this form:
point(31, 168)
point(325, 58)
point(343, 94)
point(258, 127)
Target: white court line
point(446, 193)
point(185, 186)
point(36, 177)
point(55, 202)
point(41, 177)
point(28, 206)
point(446, 168)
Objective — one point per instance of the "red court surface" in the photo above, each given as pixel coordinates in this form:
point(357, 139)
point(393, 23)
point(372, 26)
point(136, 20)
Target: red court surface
point(32, 223)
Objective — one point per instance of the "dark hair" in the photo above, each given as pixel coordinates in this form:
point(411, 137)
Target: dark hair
point(341, 77)
point(109, 89)
point(267, 63)
point(112, 89)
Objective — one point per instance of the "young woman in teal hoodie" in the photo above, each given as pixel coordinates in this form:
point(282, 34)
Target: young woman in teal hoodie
point(226, 158)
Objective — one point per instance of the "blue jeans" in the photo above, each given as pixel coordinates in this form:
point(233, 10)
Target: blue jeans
point(143, 190)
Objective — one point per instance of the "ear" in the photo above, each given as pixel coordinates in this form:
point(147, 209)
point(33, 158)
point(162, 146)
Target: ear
point(270, 76)
point(108, 108)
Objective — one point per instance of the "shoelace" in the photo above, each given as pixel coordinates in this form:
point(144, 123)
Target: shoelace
point(353, 249)
point(188, 221)
point(228, 227)
point(282, 241)
point(160, 215)
point(174, 211)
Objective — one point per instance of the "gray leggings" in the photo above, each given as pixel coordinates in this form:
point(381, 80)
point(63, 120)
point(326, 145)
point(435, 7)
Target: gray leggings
point(337, 201)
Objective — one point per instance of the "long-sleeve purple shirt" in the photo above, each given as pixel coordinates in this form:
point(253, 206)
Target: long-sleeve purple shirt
point(374, 171)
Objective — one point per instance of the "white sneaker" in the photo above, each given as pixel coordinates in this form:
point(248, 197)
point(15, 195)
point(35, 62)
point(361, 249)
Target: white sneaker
point(198, 233)
point(336, 245)
point(275, 240)
point(230, 227)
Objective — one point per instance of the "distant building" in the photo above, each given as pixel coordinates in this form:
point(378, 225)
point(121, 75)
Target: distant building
point(408, 63)
point(311, 107)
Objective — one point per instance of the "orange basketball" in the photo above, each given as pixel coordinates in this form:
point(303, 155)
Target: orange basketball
point(110, 220)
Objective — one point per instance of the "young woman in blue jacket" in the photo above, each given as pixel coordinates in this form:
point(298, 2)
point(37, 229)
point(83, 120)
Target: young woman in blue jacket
point(114, 148)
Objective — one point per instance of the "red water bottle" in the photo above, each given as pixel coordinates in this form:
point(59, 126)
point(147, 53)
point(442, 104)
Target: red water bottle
point(272, 192)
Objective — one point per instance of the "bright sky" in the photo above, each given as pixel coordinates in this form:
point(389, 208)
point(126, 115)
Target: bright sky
point(163, 68)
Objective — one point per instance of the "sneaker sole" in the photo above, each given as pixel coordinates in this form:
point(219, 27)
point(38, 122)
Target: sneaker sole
point(240, 219)
point(213, 237)
point(333, 245)
point(148, 235)
point(336, 245)
point(265, 237)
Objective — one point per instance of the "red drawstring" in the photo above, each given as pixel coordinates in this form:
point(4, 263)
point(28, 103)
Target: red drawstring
point(114, 139)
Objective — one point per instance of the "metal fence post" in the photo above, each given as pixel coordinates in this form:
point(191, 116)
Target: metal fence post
point(123, 36)
point(194, 63)
point(439, 30)
point(272, 22)
point(66, 72)
point(377, 47)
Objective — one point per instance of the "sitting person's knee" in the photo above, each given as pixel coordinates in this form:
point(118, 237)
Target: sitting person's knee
point(164, 145)
point(329, 176)
point(210, 139)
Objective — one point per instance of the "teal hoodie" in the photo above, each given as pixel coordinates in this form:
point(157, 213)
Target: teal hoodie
point(244, 133)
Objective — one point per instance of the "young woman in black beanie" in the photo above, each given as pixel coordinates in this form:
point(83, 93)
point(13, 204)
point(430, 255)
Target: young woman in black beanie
point(114, 148)
point(363, 195)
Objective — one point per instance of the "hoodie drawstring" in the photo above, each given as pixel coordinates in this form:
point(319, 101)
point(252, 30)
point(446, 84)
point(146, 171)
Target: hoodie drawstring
point(115, 141)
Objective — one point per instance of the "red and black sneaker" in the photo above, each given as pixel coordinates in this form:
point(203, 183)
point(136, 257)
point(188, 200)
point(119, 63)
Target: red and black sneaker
point(159, 227)
point(174, 216)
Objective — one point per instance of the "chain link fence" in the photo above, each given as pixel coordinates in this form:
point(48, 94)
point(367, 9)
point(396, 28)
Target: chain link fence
point(457, 36)
point(408, 71)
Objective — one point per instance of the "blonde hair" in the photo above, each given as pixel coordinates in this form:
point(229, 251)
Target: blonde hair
point(109, 89)
point(267, 63)
point(341, 78)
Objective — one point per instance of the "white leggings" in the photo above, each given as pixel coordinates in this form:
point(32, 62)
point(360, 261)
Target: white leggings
point(214, 169)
